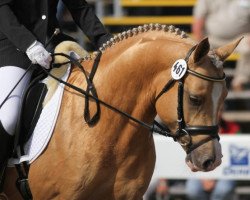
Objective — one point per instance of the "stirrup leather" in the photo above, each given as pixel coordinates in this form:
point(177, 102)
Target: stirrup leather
point(6, 146)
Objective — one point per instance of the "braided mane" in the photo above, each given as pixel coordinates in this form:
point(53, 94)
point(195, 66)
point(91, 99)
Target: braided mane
point(135, 31)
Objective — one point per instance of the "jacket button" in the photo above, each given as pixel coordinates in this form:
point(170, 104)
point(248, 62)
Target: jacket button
point(43, 17)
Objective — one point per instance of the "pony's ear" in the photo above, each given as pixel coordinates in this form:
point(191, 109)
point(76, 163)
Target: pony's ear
point(201, 50)
point(225, 51)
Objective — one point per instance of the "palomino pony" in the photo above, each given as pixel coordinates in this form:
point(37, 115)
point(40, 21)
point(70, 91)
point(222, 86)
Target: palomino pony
point(115, 157)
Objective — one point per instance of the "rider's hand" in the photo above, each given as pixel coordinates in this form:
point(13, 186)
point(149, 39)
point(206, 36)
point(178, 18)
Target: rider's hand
point(39, 55)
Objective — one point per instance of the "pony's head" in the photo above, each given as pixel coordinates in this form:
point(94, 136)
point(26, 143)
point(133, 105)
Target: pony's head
point(198, 88)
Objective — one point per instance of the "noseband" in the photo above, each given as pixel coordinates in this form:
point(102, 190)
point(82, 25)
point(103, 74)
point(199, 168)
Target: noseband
point(184, 130)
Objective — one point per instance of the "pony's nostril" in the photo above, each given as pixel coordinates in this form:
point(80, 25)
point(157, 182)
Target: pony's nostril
point(207, 163)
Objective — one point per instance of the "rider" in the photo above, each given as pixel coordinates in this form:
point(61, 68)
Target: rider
point(25, 25)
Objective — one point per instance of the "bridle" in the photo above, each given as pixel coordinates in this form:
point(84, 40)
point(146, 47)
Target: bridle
point(183, 130)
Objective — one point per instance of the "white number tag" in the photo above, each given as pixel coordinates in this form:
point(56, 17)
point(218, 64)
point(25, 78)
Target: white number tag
point(179, 69)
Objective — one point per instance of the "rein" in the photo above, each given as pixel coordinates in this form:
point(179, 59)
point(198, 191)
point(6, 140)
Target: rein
point(182, 130)
point(91, 87)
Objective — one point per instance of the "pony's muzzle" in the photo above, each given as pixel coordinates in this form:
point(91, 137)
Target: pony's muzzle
point(201, 162)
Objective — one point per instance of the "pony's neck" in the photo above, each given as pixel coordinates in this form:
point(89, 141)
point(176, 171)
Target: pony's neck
point(128, 71)
point(130, 74)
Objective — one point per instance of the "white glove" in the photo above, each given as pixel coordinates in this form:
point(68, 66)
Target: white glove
point(39, 55)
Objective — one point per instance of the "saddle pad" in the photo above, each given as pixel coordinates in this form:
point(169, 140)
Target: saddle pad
point(45, 126)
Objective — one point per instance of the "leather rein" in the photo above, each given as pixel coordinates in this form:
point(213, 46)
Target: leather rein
point(182, 130)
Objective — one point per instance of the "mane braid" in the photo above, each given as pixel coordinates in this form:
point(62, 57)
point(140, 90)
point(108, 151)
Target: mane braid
point(139, 30)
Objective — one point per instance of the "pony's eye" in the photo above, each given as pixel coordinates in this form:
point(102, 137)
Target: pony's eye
point(195, 101)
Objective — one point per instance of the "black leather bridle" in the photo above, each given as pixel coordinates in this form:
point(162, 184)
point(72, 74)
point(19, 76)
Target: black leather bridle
point(183, 130)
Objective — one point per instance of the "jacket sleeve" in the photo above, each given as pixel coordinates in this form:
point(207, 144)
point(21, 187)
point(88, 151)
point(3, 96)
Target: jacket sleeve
point(20, 36)
point(3, 2)
point(84, 16)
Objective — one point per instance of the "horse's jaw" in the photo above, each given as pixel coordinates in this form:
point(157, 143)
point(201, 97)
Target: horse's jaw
point(207, 161)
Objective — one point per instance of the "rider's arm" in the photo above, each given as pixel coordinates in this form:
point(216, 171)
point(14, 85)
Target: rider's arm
point(18, 34)
point(84, 16)
point(21, 37)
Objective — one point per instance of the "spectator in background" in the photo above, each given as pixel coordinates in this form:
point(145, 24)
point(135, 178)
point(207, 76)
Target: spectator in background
point(210, 189)
point(160, 190)
point(214, 189)
point(223, 21)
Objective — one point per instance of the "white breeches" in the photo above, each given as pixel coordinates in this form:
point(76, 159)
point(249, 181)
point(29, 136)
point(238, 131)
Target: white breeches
point(9, 76)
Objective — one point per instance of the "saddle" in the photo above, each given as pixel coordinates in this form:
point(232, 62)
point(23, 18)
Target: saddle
point(34, 98)
point(34, 102)
point(31, 109)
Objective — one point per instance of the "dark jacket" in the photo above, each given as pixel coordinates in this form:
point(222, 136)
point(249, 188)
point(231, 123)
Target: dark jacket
point(24, 21)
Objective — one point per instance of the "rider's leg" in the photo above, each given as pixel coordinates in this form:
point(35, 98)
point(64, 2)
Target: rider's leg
point(9, 76)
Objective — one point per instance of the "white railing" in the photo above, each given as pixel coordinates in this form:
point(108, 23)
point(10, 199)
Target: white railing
point(170, 159)
point(170, 163)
